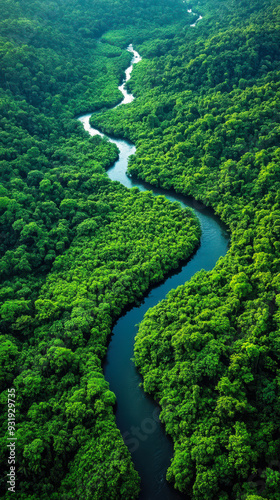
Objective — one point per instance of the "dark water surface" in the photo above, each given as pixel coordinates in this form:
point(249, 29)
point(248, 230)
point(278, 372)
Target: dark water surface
point(136, 412)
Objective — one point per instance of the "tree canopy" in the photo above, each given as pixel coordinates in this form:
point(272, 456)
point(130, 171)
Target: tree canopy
point(76, 248)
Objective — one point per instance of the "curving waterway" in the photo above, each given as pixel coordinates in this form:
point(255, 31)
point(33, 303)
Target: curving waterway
point(136, 412)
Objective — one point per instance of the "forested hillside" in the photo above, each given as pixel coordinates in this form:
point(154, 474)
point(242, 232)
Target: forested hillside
point(76, 249)
point(206, 122)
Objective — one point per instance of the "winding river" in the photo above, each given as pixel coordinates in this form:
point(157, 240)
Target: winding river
point(136, 412)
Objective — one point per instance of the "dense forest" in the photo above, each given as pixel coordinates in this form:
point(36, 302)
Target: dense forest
point(206, 122)
point(76, 248)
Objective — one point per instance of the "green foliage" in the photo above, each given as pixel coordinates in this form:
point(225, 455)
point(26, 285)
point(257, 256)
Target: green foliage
point(75, 248)
point(206, 122)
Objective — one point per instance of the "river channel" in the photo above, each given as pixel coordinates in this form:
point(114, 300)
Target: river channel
point(136, 412)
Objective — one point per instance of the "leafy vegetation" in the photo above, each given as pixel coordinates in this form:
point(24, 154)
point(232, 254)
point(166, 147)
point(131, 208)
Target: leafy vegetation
point(206, 122)
point(75, 249)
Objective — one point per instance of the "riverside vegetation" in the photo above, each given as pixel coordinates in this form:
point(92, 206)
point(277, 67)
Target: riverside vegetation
point(77, 248)
point(206, 122)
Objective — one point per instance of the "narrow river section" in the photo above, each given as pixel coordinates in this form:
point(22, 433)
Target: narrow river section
point(136, 412)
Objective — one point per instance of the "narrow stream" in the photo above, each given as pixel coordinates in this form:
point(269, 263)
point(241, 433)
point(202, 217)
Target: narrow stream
point(136, 412)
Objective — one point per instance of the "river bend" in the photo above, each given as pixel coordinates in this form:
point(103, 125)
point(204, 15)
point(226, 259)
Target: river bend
point(136, 412)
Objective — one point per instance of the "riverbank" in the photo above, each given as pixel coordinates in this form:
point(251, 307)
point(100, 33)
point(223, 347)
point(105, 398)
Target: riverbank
point(151, 450)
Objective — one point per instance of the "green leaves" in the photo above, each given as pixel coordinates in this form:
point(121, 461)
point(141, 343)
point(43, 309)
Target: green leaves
point(75, 249)
point(240, 285)
point(14, 308)
point(47, 309)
